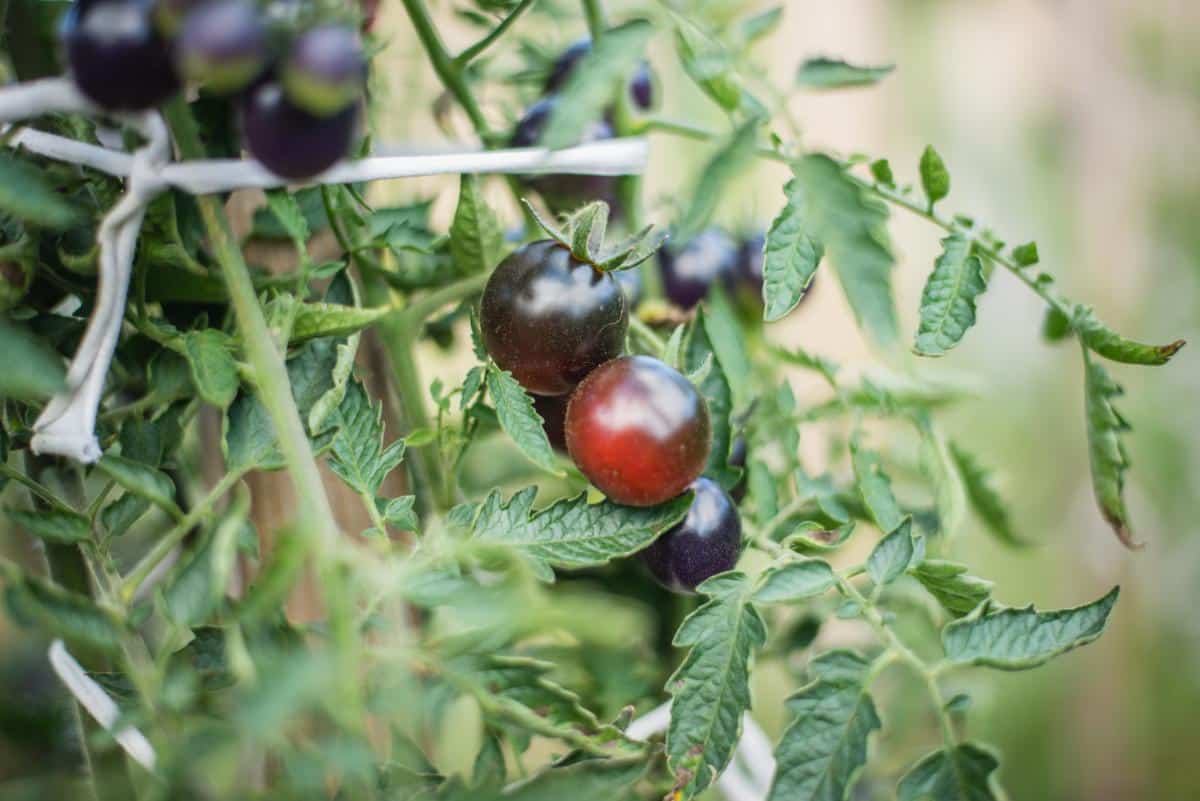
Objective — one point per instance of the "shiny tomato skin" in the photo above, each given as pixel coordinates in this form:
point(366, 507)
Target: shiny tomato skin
point(553, 411)
point(638, 430)
point(706, 542)
point(550, 319)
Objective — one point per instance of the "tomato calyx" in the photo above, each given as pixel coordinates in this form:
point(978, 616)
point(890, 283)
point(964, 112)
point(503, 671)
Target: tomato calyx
point(583, 232)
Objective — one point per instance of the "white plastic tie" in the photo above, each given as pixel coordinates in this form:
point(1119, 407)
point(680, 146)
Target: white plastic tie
point(92, 697)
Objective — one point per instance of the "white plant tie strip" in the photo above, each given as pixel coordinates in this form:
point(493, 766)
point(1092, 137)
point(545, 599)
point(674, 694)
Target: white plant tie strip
point(67, 425)
point(748, 775)
point(91, 696)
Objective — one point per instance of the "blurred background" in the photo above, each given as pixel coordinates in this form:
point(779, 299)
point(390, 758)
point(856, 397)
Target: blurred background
point(1075, 123)
point(1072, 122)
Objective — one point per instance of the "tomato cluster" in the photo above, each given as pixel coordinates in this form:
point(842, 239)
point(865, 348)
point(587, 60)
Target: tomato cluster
point(297, 86)
point(562, 192)
point(635, 427)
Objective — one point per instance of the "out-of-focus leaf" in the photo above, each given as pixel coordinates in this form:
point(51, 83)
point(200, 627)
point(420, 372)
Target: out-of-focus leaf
point(832, 73)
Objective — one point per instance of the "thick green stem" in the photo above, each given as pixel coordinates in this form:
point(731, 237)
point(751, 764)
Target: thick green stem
point(593, 11)
point(315, 522)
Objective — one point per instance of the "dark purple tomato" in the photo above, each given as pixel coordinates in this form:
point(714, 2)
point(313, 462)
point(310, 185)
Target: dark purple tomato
point(641, 85)
point(550, 319)
point(553, 411)
point(564, 192)
point(749, 270)
point(292, 143)
point(116, 56)
point(325, 70)
point(638, 430)
point(737, 458)
point(222, 46)
point(706, 542)
point(688, 273)
point(631, 284)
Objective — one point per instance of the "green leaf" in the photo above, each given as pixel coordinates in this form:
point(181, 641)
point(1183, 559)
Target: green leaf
point(790, 256)
point(315, 320)
point(881, 171)
point(963, 773)
point(718, 396)
point(726, 164)
point(214, 372)
point(357, 454)
point(571, 532)
point(269, 225)
point(59, 526)
point(853, 228)
point(589, 89)
point(892, 555)
point(476, 241)
point(520, 420)
point(935, 178)
point(590, 780)
point(948, 300)
point(399, 513)
point(822, 752)
point(291, 217)
point(711, 688)
point(55, 612)
point(1108, 343)
point(344, 292)
point(198, 584)
point(948, 582)
point(1056, 326)
point(760, 25)
point(142, 480)
point(710, 66)
point(728, 345)
point(1106, 451)
point(1016, 639)
point(26, 195)
point(984, 499)
point(875, 487)
point(122, 513)
point(832, 73)
point(794, 581)
point(249, 441)
point(1026, 255)
point(525, 681)
point(33, 371)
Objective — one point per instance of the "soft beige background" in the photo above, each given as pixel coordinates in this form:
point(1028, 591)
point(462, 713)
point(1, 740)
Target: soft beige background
point(1075, 122)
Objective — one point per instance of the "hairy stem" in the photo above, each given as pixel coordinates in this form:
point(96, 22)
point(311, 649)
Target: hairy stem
point(447, 69)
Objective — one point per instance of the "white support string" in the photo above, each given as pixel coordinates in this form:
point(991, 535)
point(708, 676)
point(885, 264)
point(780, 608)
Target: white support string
point(91, 696)
point(748, 775)
point(67, 425)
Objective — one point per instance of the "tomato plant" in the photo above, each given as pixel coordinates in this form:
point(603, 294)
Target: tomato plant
point(259, 555)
